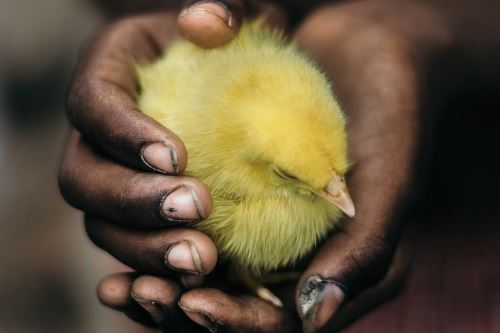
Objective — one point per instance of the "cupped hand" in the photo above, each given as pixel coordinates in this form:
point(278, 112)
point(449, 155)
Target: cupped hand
point(123, 169)
point(376, 74)
point(375, 54)
point(221, 307)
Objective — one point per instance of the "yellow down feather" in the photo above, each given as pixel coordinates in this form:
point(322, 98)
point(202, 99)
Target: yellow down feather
point(263, 132)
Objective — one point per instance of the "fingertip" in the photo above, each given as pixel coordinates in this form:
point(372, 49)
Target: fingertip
point(201, 299)
point(318, 300)
point(201, 197)
point(216, 310)
point(333, 297)
point(200, 318)
point(114, 290)
point(155, 289)
point(197, 305)
point(207, 252)
point(165, 157)
point(188, 200)
point(155, 295)
point(191, 252)
point(210, 23)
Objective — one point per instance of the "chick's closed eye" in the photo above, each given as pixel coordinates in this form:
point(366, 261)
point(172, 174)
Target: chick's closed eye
point(283, 174)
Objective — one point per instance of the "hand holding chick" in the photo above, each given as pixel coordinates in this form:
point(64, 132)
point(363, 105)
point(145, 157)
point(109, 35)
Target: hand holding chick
point(147, 245)
point(265, 134)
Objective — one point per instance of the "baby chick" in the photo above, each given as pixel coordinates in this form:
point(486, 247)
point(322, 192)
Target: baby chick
point(265, 134)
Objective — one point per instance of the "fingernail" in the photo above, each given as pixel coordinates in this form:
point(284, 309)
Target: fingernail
point(201, 319)
point(207, 24)
point(155, 309)
point(160, 157)
point(183, 204)
point(319, 299)
point(184, 257)
point(210, 10)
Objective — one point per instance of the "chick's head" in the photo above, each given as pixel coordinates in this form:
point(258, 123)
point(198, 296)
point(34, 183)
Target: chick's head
point(294, 132)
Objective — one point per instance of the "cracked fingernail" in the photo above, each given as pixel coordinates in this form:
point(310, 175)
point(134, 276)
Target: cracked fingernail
point(155, 309)
point(319, 299)
point(183, 204)
point(160, 157)
point(184, 257)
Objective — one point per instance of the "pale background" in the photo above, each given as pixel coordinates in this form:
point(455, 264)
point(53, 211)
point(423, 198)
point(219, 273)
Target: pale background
point(48, 269)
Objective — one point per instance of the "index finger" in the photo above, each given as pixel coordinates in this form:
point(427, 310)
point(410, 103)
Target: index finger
point(101, 102)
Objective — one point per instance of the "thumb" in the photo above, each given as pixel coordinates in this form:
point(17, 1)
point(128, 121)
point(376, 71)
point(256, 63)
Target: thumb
point(222, 312)
point(319, 299)
point(343, 266)
point(210, 23)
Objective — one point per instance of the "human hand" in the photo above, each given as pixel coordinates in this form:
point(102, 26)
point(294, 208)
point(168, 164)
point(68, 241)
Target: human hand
point(123, 169)
point(376, 67)
point(376, 78)
point(222, 307)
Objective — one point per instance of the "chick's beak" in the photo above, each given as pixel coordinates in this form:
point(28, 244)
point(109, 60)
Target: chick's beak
point(336, 193)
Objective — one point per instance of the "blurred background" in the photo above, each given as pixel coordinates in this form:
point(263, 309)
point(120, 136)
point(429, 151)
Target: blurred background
point(49, 270)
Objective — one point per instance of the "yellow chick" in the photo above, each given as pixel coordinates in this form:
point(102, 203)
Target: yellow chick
point(265, 134)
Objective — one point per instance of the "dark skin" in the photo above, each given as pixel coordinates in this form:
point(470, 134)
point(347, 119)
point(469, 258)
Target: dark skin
point(375, 53)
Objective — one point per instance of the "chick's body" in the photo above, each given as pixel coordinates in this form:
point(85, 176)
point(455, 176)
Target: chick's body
point(263, 132)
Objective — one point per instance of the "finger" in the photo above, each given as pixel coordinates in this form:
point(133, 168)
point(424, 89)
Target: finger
point(216, 310)
point(210, 23)
point(98, 186)
point(354, 257)
point(101, 102)
point(333, 293)
point(158, 296)
point(343, 266)
point(114, 291)
point(383, 290)
point(382, 141)
point(159, 252)
point(149, 300)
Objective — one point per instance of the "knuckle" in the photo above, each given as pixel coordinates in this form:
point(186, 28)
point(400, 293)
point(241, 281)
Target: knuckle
point(375, 256)
point(87, 88)
point(135, 187)
point(369, 263)
point(122, 25)
point(66, 181)
point(140, 195)
point(81, 99)
point(74, 101)
point(97, 232)
point(389, 40)
point(126, 26)
point(71, 182)
point(62, 176)
point(91, 230)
